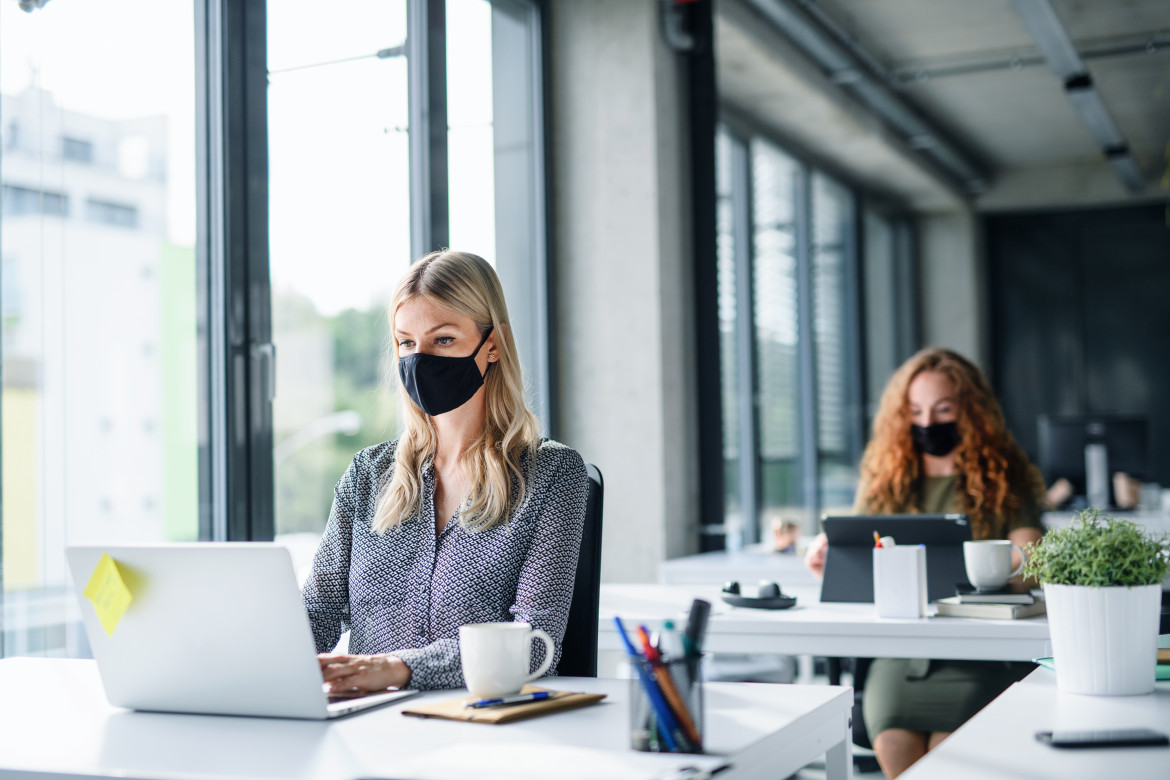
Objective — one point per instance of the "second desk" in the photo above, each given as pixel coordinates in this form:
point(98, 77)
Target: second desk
point(813, 628)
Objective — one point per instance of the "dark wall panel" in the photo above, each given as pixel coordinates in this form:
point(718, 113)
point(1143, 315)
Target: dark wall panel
point(1080, 311)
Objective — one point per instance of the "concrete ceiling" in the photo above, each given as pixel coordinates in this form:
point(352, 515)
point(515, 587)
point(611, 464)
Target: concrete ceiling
point(764, 80)
point(973, 69)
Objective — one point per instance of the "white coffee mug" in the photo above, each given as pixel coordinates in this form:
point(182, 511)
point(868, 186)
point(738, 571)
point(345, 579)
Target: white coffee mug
point(989, 562)
point(496, 657)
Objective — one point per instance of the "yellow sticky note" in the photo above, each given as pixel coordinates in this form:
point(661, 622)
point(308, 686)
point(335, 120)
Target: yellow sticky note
point(109, 594)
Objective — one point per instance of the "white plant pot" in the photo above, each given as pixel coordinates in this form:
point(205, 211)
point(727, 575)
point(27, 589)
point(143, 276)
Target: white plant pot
point(1104, 640)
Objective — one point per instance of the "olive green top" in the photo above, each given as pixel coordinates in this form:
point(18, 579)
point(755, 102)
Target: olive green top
point(940, 495)
point(937, 495)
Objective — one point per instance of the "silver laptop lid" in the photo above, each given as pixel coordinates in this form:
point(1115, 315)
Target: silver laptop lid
point(215, 628)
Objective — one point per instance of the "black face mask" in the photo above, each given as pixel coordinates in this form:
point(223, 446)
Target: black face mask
point(438, 384)
point(939, 439)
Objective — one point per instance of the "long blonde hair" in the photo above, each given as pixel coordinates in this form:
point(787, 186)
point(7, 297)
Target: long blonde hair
point(493, 464)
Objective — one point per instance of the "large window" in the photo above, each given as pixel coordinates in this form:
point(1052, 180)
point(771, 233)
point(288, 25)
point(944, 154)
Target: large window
point(775, 189)
point(790, 335)
point(339, 136)
point(495, 163)
point(176, 205)
point(339, 227)
point(100, 387)
point(734, 369)
point(888, 299)
point(839, 417)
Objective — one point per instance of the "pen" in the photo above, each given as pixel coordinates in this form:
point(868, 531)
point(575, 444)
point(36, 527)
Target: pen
point(877, 540)
point(669, 691)
point(648, 685)
point(672, 646)
point(697, 625)
point(516, 698)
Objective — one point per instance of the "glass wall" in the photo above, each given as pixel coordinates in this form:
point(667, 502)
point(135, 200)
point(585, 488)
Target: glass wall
point(835, 345)
point(339, 238)
point(888, 299)
point(791, 347)
point(339, 154)
point(470, 133)
point(495, 163)
point(727, 149)
point(880, 296)
point(122, 345)
point(775, 188)
point(99, 295)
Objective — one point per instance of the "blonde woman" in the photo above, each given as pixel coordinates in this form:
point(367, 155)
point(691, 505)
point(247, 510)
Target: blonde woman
point(468, 517)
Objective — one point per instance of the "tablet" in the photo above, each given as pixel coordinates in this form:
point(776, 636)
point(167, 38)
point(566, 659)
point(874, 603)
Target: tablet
point(849, 560)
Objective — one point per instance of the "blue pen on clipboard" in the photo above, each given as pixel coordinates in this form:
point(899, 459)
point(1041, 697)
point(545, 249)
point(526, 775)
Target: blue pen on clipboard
point(516, 698)
point(652, 693)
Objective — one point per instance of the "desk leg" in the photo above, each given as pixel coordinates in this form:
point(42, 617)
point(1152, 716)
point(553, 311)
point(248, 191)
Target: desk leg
point(804, 669)
point(839, 758)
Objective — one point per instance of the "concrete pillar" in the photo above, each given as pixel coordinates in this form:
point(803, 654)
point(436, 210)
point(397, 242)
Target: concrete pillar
point(623, 300)
point(953, 282)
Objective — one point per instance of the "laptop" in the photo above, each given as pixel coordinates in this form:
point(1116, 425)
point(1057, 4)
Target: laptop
point(849, 559)
point(212, 628)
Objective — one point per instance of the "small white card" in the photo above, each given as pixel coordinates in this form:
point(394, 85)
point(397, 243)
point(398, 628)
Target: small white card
point(899, 581)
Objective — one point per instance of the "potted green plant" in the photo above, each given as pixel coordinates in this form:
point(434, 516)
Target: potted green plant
point(1102, 580)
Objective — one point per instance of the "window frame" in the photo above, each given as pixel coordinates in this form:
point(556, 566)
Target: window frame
point(236, 355)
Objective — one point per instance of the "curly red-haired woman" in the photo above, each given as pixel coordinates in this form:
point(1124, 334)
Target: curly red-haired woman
point(940, 444)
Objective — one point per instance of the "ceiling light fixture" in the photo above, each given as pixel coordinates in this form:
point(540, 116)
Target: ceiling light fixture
point(1045, 27)
point(1052, 39)
point(1086, 100)
point(1126, 169)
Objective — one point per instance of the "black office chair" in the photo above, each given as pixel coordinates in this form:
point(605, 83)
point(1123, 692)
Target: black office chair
point(579, 648)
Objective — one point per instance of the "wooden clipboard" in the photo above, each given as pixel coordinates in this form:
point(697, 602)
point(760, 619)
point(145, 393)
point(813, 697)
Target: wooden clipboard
point(455, 709)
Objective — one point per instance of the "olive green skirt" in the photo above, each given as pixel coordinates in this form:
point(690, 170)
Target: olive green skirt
point(925, 695)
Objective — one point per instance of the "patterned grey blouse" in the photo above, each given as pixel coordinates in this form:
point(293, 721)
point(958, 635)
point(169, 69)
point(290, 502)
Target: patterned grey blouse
point(407, 591)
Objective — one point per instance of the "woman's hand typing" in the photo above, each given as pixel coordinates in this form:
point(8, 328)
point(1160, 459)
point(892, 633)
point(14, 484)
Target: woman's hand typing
point(363, 673)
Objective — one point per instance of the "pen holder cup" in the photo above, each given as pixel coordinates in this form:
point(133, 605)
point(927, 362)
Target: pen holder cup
point(666, 706)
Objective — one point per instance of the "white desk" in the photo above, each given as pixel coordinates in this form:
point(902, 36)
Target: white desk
point(748, 566)
point(813, 628)
point(1155, 522)
point(55, 722)
point(999, 742)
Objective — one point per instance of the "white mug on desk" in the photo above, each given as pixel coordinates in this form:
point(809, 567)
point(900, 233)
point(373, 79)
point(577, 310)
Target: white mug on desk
point(496, 657)
point(989, 562)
